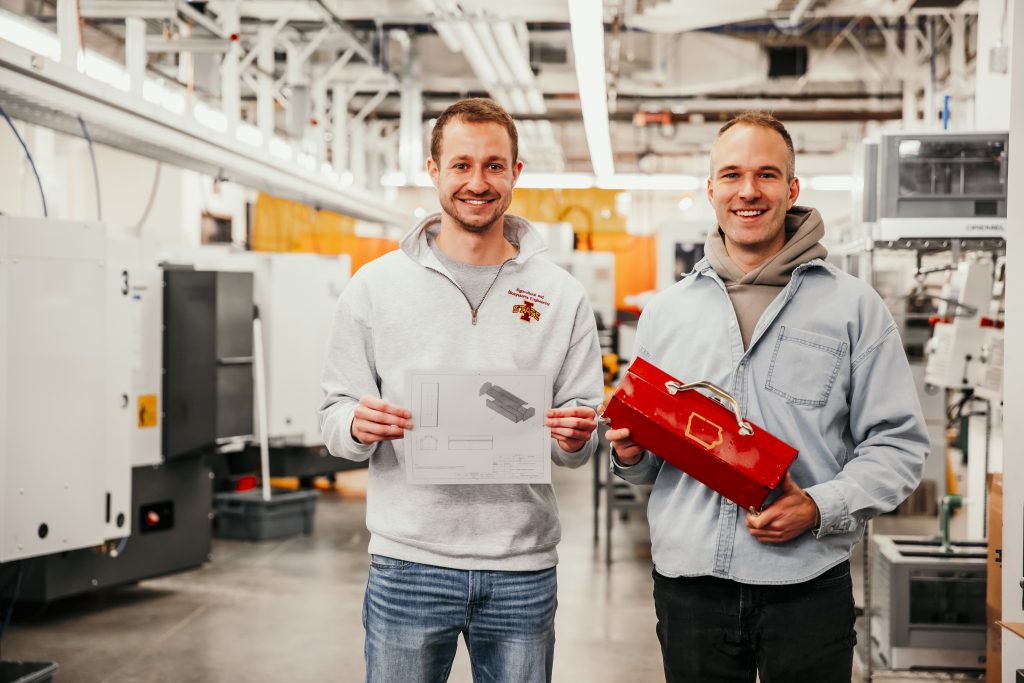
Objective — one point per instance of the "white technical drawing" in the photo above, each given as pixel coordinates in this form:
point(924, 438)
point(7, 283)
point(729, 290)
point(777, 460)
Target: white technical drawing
point(428, 395)
point(460, 438)
point(471, 443)
point(506, 403)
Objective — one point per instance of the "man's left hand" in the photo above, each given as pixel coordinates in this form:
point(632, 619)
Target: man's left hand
point(571, 427)
point(788, 516)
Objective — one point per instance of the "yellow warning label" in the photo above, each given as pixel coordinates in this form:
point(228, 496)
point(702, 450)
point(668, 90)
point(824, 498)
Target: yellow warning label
point(147, 411)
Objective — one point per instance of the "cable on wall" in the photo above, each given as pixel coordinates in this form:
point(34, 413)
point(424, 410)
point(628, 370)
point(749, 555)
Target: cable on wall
point(95, 170)
point(152, 197)
point(28, 155)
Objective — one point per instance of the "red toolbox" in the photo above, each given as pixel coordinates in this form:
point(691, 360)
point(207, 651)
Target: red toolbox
point(700, 436)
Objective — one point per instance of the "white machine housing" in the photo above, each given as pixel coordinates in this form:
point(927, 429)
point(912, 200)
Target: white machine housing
point(296, 295)
point(596, 272)
point(139, 286)
point(939, 185)
point(65, 477)
point(954, 351)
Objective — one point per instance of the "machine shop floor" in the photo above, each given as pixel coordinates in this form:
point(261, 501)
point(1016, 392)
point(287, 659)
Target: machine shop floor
point(291, 610)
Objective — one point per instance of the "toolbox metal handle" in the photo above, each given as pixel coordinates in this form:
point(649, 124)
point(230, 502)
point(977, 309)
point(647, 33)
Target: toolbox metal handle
point(675, 387)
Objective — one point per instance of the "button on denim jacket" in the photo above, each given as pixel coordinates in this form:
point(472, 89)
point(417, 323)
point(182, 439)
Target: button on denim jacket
point(826, 372)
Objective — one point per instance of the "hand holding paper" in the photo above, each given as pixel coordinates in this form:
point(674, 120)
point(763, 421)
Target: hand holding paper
point(377, 420)
point(571, 427)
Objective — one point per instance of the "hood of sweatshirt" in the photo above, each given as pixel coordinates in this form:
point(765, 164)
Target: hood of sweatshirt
point(751, 293)
point(518, 232)
point(804, 230)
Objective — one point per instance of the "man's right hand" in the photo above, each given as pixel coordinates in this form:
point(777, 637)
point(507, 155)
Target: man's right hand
point(626, 450)
point(377, 420)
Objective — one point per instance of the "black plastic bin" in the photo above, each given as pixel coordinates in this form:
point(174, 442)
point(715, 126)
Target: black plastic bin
point(27, 672)
point(246, 516)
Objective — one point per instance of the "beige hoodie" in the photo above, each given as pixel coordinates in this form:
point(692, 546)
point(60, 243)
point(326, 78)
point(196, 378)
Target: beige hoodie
point(751, 292)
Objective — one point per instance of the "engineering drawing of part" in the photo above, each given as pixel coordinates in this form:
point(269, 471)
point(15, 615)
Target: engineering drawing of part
point(471, 442)
point(506, 404)
point(428, 443)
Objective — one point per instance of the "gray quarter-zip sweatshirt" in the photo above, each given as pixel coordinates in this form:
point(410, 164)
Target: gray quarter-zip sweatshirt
point(404, 311)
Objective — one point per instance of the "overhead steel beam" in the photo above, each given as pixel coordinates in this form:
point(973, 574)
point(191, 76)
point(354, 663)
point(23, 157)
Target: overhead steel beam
point(198, 17)
point(158, 43)
point(371, 105)
point(264, 39)
point(709, 111)
point(125, 9)
point(334, 70)
point(349, 34)
point(53, 95)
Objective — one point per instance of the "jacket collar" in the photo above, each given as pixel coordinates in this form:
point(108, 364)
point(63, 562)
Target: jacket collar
point(518, 231)
point(704, 267)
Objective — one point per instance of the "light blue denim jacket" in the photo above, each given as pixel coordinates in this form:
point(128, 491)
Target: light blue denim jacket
point(826, 372)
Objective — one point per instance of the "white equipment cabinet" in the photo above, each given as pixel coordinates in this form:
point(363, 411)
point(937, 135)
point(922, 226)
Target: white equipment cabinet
point(296, 295)
point(596, 272)
point(64, 451)
point(954, 351)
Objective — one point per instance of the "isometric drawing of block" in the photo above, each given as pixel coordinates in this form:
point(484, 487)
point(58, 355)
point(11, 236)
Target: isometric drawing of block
point(506, 404)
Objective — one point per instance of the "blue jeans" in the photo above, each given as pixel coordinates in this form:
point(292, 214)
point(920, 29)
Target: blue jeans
point(714, 630)
point(413, 615)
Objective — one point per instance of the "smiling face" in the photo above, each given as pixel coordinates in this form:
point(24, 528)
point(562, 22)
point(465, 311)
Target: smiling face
point(474, 175)
point(750, 191)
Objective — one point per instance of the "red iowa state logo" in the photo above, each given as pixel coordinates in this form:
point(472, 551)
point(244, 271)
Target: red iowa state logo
point(526, 311)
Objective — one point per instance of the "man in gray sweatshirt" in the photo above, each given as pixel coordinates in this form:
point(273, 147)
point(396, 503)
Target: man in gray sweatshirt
point(468, 290)
point(812, 355)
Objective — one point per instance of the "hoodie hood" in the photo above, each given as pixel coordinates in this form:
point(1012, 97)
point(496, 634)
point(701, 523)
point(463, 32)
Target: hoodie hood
point(751, 293)
point(518, 232)
point(804, 230)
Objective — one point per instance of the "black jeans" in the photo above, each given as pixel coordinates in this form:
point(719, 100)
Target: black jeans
point(718, 630)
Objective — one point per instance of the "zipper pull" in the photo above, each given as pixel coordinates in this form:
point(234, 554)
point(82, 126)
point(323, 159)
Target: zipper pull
point(474, 316)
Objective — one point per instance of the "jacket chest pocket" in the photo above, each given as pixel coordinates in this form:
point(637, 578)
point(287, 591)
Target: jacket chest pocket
point(804, 366)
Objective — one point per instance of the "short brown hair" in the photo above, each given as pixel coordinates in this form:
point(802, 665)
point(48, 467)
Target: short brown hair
point(474, 110)
point(764, 120)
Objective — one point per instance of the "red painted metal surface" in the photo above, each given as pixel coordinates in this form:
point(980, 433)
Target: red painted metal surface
point(698, 435)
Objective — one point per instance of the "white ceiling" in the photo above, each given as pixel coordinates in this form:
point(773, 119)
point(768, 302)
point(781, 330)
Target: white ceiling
point(692, 64)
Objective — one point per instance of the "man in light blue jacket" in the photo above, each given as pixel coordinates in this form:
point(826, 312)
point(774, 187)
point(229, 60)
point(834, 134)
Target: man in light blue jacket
point(811, 354)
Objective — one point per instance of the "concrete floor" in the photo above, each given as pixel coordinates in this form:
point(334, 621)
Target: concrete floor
point(290, 610)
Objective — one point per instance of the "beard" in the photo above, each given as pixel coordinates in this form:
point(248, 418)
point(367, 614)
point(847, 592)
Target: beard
point(476, 222)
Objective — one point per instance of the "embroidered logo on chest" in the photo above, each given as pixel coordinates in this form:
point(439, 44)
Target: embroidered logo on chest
point(526, 311)
point(530, 306)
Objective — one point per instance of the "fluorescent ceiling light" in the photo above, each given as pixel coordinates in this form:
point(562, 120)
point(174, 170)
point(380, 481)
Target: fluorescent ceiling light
point(834, 183)
point(210, 117)
point(249, 134)
point(157, 92)
point(393, 179)
point(280, 149)
point(399, 179)
point(306, 161)
point(643, 181)
point(587, 27)
point(29, 35)
point(555, 181)
point(103, 70)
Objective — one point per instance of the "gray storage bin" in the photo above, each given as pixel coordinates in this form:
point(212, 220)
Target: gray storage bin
point(245, 515)
point(27, 672)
